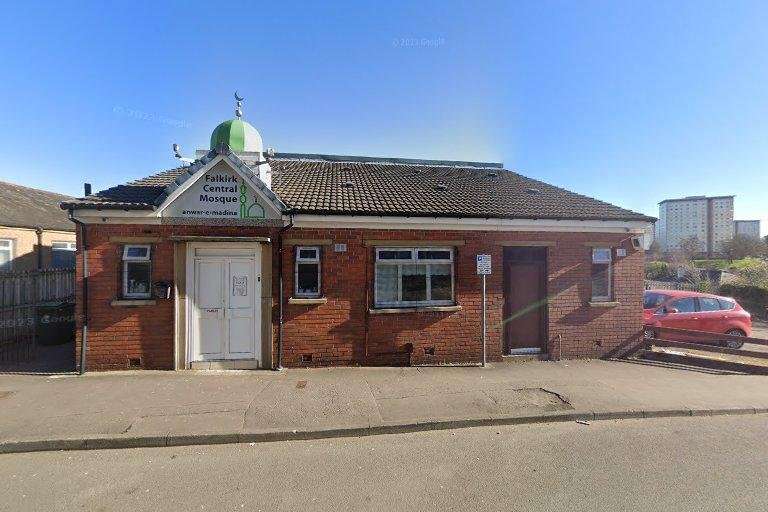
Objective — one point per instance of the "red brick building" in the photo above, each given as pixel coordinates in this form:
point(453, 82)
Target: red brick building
point(253, 259)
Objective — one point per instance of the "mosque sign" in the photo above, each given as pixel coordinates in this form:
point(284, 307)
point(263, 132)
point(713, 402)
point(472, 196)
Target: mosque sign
point(221, 194)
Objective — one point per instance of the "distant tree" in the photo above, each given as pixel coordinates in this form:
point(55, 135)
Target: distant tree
point(689, 248)
point(654, 250)
point(741, 246)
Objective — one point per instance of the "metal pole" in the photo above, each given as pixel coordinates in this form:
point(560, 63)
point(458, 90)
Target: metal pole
point(84, 341)
point(484, 308)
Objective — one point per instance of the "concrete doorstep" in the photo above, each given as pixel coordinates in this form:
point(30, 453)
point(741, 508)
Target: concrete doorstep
point(156, 409)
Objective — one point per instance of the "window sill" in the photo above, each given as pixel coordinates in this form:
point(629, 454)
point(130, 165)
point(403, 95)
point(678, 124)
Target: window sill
point(604, 304)
point(132, 302)
point(420, 309)
point(307, 301)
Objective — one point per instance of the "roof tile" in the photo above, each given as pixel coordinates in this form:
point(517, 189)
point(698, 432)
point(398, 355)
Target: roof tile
point(314, 185)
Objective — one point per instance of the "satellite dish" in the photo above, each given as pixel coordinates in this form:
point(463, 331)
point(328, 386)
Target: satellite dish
point(177, 154)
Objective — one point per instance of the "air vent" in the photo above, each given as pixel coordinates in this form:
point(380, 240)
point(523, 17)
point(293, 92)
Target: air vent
point(532, 190)
point(492, 175)
point(347, 184)
point(306, 358)
point(441, 186)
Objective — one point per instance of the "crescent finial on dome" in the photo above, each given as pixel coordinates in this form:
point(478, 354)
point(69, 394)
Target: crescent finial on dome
point(239, 105)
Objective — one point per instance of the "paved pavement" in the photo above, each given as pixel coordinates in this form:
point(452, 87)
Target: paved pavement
point(760, 329)
point(159, 408)
point(681, 464)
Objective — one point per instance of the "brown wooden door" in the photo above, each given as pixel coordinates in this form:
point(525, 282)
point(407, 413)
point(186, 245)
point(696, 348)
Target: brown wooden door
point(525, 304)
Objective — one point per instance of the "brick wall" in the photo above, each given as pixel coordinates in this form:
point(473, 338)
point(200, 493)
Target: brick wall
point(117, 334)
point(343, 332)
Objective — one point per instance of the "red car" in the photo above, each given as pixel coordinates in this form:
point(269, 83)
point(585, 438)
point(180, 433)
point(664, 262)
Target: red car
point(696, 312)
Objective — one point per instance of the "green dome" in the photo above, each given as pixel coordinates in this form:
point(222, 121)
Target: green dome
point(238, 135)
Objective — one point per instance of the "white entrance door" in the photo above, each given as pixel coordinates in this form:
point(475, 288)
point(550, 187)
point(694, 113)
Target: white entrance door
point(226, 313)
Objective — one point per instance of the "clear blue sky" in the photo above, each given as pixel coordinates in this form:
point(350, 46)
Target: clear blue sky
point(630, 102)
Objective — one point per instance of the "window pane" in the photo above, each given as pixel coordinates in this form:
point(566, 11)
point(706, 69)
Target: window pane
point(5, 243)
point(395, 255)
point(5, 260)
point(600, 281)
point(440, 281)
point(137, 278)
point(307, 281)
point(63, 258)
point(434, 255)
point(308, 254)
point(709, 304)
point(136, 252)
point(601, 255)
point(687, 305)
point(414, 282)
point(386, 283)
point(726, 304)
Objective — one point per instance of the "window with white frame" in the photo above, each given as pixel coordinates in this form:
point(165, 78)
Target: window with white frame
point(413, 276)
point(6, 255)
point(307, 272)
point(601, 274)
point(137, 272)
point(63, 254)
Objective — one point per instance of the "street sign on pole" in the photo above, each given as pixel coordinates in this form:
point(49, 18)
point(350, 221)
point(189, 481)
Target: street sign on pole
point(484, 269)
point(483, 264)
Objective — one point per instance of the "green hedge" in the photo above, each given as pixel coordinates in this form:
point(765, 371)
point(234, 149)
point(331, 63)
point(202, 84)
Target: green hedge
point(746, 263)
point(657, 270)
point(752, 298)
point(717, 264)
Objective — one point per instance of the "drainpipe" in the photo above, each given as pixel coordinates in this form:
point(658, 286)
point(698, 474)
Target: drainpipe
point(280, 286)
point(84, 345)
point(39, 232)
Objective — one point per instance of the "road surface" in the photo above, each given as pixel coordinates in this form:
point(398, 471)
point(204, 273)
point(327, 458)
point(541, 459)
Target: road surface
point(699, 463)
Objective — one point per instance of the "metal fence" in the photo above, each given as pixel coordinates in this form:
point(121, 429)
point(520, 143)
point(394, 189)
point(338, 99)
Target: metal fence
point(669, 285)
point(23, 297)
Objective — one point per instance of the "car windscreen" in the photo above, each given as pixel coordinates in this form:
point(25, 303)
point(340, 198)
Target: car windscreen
point(652, 300)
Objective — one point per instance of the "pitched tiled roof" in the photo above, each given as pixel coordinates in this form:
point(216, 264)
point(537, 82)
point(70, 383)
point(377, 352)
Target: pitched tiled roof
point(320, 184)
point(24, 207)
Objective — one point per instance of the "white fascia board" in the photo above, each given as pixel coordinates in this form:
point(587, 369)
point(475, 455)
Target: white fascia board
point(468, 224)
point(107, 216)
point(395, 223)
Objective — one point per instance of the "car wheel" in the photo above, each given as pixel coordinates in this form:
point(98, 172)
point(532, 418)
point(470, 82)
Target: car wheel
point(649, 333)
point(733, 343)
